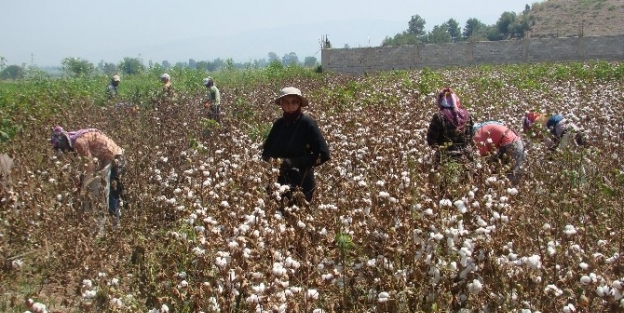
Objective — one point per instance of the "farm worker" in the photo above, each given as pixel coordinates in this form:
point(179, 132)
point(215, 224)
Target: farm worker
point(6, 164)
point(503, 144)
point(213, 99)
point(560, 131)
point(297, 141)
point(103, 172)
point(167, 87)
point(111, 89)
point(167, 94)
point(450, 129)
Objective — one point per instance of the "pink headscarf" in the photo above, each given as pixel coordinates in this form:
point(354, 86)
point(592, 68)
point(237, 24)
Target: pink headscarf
point(450, 106)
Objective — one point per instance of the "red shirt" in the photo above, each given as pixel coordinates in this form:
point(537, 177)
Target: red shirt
point(491, 137)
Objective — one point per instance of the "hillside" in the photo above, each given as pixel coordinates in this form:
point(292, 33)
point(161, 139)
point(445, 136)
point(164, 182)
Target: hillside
point(568, 17)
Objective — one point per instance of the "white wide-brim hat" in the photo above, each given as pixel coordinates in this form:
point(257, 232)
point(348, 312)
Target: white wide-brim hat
point(291, 91)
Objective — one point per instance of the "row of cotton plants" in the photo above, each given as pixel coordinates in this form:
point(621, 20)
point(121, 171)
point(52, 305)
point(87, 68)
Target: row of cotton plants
point(201, 230)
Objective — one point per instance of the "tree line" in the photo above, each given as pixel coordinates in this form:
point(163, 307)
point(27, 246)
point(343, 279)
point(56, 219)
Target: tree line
point(509, 25)
point(78, 67)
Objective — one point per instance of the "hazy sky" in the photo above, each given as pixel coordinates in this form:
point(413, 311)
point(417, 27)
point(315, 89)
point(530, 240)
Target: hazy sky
point(43, 32)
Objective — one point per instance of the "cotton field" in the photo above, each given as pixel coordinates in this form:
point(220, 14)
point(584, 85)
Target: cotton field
point(201, 230)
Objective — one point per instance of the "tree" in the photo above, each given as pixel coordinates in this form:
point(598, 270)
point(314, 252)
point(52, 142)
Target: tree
point(416, 26)
point(273, 57)
point(192, 63)
point(453, 29)
point(165, 64)
point(131, 66)
point(474, 29)
point(107, 68)
point(439, 34)
point(290, 59)
point(77, 67)
point(493, 33)
point(521, 25)
point(309, 61)
point(404, 38)
point(13, 72)
point(504, 22)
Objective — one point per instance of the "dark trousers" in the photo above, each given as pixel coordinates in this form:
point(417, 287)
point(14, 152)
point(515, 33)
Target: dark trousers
point(299, 178)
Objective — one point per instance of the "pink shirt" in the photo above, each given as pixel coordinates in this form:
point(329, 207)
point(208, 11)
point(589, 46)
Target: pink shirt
point(500, 136)
point(97, 145)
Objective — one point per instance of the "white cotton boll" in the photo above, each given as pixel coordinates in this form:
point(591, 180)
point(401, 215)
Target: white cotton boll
point(490, 180)
point(197, 251)
point(585, 280)
point(583, 265)
point(224, 204)
point(114, 282)
point(438, 236)
point(546, 226)
point(603, 291)
point(116, 303)
point(312, 294)
point(534, 262)
point(612, 259)
point(475, 286)
point(291, 263)
point(569, 230)
point(569, 308)
point(327, 277)
point(252, 299)
point(551, 250)
point(164, 309)
point(278, 270)
point(89, 294)
point(87, 283)
point(602, 243)
point(17, 264)
point(512, 191)
point(445, 203)
point(552, 289)
point(383, 194)
point(383, 297)
point(183, 284)
point(461, 207)
point(428, 212)
point(471, 194)
point(318, 311)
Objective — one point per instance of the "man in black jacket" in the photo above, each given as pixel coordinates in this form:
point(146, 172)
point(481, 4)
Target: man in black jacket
point(297, 141)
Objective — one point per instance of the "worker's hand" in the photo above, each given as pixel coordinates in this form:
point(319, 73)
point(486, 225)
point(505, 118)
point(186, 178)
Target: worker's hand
point(286, 164)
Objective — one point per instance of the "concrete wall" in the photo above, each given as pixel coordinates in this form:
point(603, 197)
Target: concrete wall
point(359, 60)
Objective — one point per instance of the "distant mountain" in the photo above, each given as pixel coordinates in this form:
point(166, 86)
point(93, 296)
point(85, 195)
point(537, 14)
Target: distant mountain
point(571, 17)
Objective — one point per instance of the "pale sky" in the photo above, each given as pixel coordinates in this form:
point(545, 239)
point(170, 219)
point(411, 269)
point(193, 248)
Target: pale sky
point(44, 32)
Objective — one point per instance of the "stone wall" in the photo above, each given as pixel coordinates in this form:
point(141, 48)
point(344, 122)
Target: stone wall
point(360, 60)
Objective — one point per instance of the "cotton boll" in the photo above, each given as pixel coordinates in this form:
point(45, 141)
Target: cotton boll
point(475, 286)
point(569, 308)
point(603, 291)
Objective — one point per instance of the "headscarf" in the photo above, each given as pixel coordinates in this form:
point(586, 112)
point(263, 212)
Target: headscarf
point(529, 119)
point(450, 106)
point(58, 133)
